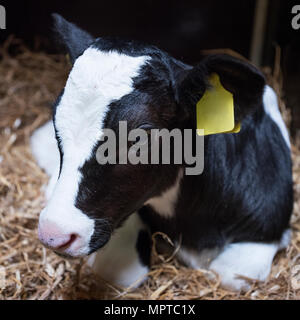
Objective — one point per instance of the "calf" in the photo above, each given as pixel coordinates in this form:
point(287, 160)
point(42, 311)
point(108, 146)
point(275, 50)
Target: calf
point(232, 218)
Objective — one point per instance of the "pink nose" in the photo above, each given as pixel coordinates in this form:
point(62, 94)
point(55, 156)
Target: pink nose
point(53, 237)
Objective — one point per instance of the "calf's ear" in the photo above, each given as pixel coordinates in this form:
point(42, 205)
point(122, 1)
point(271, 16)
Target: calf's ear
point(243, 80)
point(74, 39)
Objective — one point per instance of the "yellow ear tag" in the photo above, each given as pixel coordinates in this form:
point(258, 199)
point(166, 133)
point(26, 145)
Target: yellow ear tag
point(215, 110)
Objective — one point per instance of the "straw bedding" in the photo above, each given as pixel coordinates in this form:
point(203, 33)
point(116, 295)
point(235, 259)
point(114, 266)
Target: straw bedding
point(30, 81)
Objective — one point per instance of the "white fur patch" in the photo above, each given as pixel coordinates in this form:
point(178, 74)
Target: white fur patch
point(165, 203)
point(97, 78)
point(51, 184)
point(118, 262)
point(197, 260)
point(45, 151)
point(250, 259)
point(285, 239)
point(272, 109)
point(44, 148)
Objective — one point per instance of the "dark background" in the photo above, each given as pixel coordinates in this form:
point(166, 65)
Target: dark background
point(180, 27)
point(183, 28)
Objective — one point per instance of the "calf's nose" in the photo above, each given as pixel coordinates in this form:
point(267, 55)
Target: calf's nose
point(53, 237)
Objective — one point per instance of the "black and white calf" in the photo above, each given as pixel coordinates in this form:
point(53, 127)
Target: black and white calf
point(232, 218)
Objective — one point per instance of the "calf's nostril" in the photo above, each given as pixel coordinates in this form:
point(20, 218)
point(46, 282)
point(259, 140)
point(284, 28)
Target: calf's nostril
point(65, 245)
point(55, 238)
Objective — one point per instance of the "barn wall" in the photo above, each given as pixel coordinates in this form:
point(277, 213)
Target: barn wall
point(182, 28)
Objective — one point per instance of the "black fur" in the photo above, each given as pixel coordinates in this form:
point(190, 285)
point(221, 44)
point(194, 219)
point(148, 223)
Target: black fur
point(143, 247)
point(74, 39)
point(245, 192)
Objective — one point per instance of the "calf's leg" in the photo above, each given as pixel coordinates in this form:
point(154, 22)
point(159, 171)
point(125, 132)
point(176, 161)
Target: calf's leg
point(125, 259)
point(249, 259)
point(45, 151)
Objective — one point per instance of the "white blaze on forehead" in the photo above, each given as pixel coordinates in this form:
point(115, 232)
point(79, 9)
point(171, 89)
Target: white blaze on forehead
point(97, 79)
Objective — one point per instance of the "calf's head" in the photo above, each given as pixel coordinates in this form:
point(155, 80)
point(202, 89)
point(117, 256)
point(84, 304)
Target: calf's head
point(114, 80)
